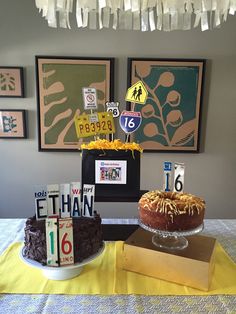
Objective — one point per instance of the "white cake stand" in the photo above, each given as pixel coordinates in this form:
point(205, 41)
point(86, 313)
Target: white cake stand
point(63, 272)
point(171, 240)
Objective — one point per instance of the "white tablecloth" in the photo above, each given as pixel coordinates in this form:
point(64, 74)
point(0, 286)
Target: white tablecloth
point(223, 230)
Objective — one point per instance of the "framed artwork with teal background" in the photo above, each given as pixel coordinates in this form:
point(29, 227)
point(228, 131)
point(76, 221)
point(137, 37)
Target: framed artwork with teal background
point(60, 81)
point(171, 115)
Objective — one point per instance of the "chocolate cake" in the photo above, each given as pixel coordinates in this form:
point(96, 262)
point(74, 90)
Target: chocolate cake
point(171, 211)
point(87, 234)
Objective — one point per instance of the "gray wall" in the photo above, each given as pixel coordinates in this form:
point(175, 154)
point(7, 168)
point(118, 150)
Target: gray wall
point(210, 174)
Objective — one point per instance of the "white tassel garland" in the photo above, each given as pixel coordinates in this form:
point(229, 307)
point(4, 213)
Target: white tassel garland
point(141, 15)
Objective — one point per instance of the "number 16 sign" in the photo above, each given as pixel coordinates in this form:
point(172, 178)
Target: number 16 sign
point(52, 241)
point(66, 248)
point(130, 121)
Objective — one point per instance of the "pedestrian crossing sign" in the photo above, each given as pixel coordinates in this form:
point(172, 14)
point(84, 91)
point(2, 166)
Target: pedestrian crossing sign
point(137, 93)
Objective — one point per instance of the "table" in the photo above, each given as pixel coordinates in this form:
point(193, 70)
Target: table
point(223, 230)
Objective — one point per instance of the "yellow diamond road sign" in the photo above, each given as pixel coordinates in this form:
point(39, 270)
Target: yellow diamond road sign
point(137, 93)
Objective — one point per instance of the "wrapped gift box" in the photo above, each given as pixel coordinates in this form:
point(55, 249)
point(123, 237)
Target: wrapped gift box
point(127, 186)
point(192, 266)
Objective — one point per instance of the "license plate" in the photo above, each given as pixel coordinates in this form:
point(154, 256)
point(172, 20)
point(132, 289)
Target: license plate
point(86, 124)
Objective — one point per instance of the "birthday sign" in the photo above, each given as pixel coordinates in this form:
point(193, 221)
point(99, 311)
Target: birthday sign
point(88, 199)
point(178, 184)
point(58, 203)
point(76, 199)
point(59, 241)
point(41, 202)
point(53, 200)
point(52, 242)
point(66, 247)
point(63, 201)
point(167, 175)
point(96, 123)
point(179, 177)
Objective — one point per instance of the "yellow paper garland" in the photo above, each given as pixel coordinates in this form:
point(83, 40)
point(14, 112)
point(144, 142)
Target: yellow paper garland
point(116, 145)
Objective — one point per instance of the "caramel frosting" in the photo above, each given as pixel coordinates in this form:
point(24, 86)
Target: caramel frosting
point(172, 203)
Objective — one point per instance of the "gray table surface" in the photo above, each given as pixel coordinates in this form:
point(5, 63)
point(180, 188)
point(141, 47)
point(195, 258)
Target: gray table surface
point(223, 230)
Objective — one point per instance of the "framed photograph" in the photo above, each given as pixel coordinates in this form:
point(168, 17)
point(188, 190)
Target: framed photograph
point(171, 115)
point(60, 81)
point(110, 171)
point(12, 123)
point(11, 82)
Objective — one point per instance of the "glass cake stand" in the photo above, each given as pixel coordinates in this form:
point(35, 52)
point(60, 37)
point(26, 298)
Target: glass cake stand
point(174, 240)
point(63, 272)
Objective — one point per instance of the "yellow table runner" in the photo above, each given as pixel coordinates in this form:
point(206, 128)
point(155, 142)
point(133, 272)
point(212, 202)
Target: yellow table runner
point(105, 276)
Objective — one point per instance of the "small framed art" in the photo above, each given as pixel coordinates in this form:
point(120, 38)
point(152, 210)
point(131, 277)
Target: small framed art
point(11, 82)
point(12, 123)
point(171, 116)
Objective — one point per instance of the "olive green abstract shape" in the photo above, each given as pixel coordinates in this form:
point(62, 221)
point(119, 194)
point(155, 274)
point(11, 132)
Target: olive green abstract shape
point(7, 82)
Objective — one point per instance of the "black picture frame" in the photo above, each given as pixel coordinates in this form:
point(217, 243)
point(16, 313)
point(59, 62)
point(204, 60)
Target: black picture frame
point(13, 124)
point(171, 116)
point(56, 130)
point(12, 82)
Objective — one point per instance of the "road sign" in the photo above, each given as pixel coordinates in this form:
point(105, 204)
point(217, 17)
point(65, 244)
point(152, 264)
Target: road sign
point(130, 121)
point(113, 107)
point(137, 93)
point(90, 98)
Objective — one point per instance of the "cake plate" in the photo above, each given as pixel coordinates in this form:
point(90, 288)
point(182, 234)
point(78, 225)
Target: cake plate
point(63, 272)
point(174, 240)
